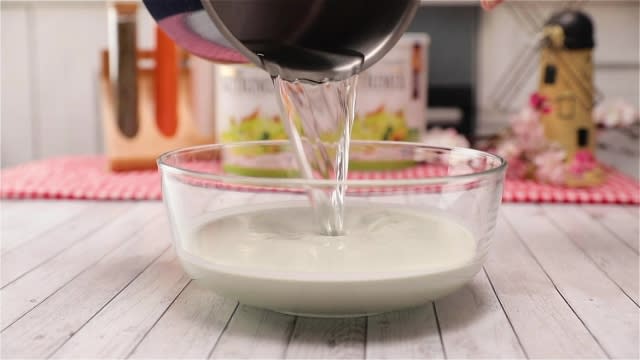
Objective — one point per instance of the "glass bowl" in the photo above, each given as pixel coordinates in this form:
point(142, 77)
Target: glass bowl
point(418, 223)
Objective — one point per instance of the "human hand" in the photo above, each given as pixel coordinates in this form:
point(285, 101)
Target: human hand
point(490, 4)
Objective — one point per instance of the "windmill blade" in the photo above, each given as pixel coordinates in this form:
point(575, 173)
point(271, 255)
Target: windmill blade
point(515, 68)
point(519, 66)
point(541, 17)
point(517, 77)
point(537, 14)
point(534, 17)
point(506, 101)
point(522, 19)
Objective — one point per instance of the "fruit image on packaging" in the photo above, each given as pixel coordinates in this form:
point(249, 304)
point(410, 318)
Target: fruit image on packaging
point(383, 125)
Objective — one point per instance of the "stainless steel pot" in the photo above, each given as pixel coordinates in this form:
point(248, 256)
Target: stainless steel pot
point(313, 40)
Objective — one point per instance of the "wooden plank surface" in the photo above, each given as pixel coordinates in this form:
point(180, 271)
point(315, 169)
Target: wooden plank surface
point(19, 260)
point(601, 305)
point(473, 323)
point(255, 333)
point(55, 320)
point(623, 221)
point(14, 210)
point(408, 334)
point(36, 219)
point(532, 302)
point(617, 261)
point(116, 330)
point(191, 326)
point(547, 292)
point(342, 338)
point(27, 292)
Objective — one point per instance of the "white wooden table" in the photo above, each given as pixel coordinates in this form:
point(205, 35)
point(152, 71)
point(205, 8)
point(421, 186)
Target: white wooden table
point(92, 279)
point(89, 279)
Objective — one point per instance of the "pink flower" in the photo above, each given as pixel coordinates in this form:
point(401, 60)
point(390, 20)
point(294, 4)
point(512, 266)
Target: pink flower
point(445, 138)
point(508, 149)
point(540, 103)
point(616, 114)
point(583, 162)
point(528, 130)
point(517, 169)
point(512, 152)
point(551, 166)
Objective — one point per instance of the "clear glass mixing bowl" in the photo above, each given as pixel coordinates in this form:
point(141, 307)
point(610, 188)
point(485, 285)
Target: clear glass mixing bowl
point(451, 195)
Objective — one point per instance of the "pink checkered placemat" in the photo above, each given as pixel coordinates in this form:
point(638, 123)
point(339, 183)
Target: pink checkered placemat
point(84, 177)
point(87, 178)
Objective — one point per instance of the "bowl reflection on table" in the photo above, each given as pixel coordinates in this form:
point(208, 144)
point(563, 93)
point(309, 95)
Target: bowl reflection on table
point(418, 224)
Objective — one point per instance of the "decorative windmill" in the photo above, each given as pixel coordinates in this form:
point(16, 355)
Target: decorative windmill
point(565, 43)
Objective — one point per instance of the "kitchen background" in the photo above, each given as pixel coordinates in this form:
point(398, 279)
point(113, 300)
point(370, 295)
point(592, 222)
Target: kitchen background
point(50, 61)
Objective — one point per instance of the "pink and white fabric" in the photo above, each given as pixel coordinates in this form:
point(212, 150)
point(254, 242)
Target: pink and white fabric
point(87, 178)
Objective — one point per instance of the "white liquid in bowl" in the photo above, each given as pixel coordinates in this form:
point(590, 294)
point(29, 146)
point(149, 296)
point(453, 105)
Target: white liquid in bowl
point(389, 258)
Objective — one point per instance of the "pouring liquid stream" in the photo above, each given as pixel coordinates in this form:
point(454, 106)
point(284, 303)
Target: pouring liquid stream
point(314, 51)
point(319, 118)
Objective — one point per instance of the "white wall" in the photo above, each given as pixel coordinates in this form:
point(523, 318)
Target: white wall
point(49, 62)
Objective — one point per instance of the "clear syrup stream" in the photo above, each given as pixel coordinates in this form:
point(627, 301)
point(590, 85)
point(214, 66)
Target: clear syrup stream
point(319, 118)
